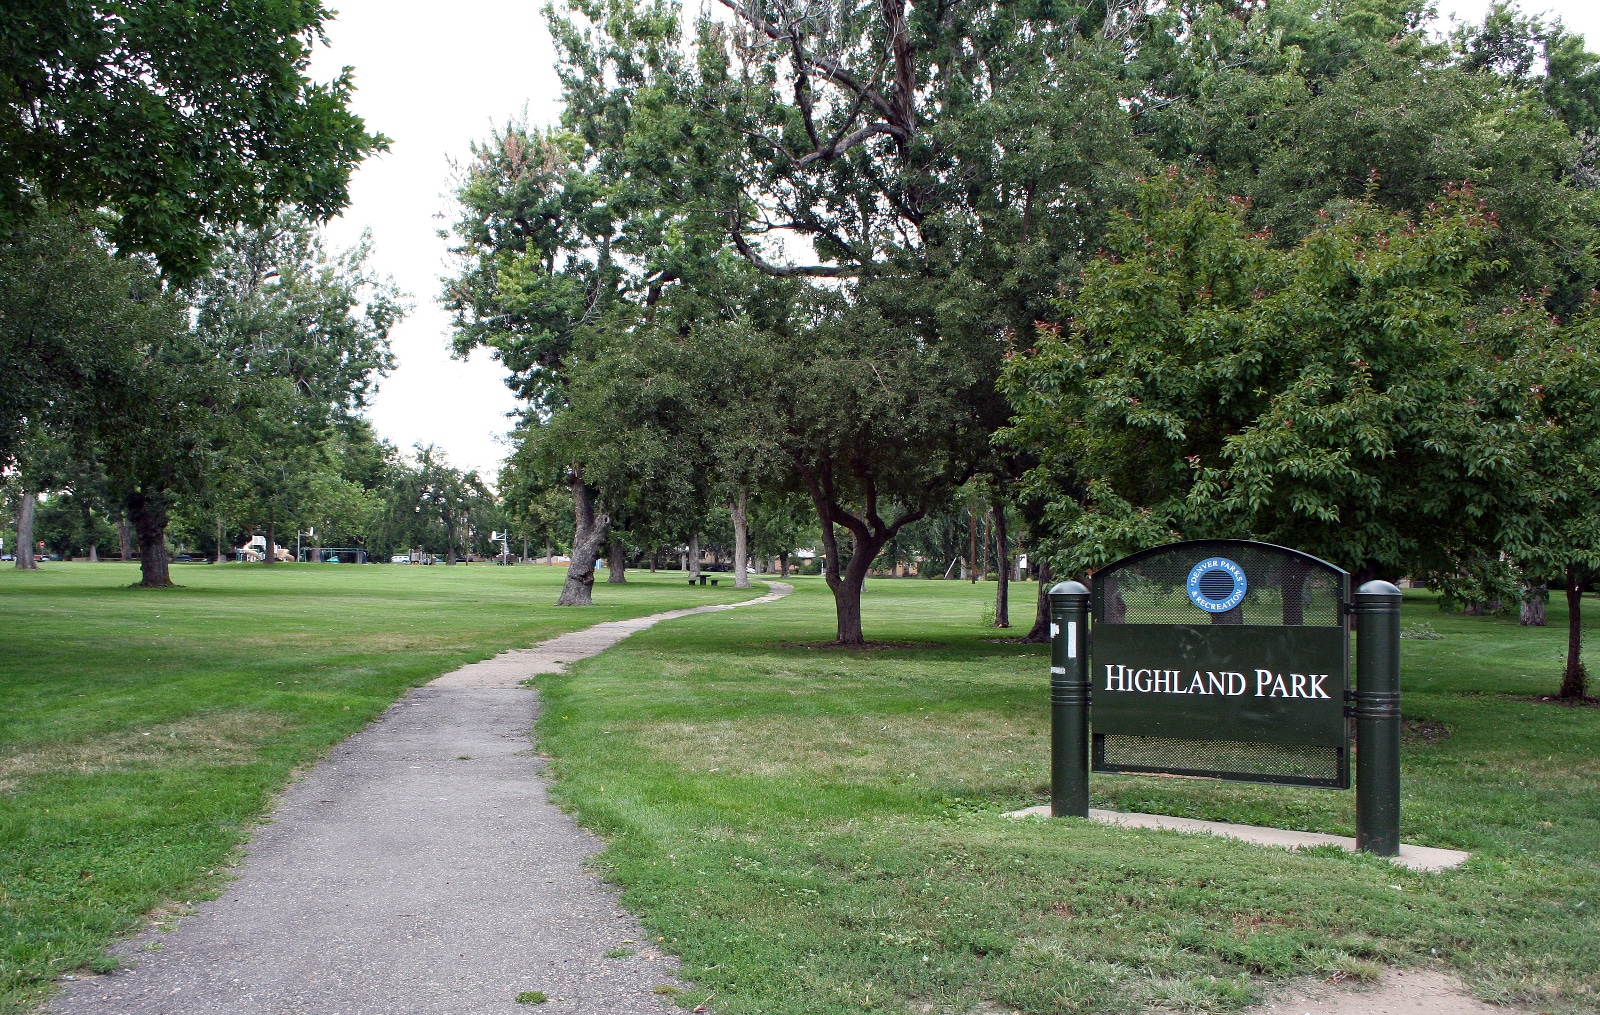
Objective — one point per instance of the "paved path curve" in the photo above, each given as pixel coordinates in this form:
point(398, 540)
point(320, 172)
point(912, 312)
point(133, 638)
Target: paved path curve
point(398, 878)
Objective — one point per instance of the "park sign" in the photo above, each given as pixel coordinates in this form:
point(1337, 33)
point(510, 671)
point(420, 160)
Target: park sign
point(1228, 659)
point(1221, 658)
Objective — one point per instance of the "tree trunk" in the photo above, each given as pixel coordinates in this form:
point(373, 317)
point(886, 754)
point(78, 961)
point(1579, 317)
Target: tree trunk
point(655, 551)
point(1574, 681)
point(219, 539)
point(972, 543)
point(1292, 584)
point(590, 530)
point(617, 563)
point(124, 538)
point(694, 555)
point(1534, 600)
point(1040, 632)
point(1002, 592)
point(25, 510)
point(988, 525)
point(94, 554)
point(272, 543)
point(783, 563)
point(148, 512)
point(739, 508)
point(847, 586)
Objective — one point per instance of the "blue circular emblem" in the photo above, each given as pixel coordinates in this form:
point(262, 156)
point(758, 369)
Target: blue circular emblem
point(1216, 585)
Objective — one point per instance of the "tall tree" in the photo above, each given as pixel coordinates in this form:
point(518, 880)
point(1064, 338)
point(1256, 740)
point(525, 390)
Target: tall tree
point(306, 335)
point(159, 426)
point(1543, 381)
point(534, 241)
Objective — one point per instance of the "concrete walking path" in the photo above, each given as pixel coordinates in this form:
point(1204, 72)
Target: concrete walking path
point(420, 868)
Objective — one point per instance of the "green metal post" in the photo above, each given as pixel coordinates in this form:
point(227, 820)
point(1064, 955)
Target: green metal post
point(1069, 701)
point(1377, 610)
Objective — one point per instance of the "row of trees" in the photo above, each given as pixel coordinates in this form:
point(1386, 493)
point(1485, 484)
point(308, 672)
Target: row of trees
point(1299, 270)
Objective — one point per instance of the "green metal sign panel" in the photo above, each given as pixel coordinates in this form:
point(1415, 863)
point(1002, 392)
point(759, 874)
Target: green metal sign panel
point(1221, 658)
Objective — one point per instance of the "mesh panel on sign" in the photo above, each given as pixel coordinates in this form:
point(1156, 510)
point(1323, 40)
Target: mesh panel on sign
point(1316, 766)
point(1282, 588)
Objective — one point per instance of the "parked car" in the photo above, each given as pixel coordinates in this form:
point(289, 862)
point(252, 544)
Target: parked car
point(400, 558)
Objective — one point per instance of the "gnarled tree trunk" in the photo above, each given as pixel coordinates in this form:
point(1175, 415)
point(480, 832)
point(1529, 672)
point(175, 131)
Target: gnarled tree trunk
point(592, 527)
point(1039, 634)
point(148, 512)
point(1002, 592)
point(617, 563)
point(1574, 681)
point(25, 513)
point(741, 538)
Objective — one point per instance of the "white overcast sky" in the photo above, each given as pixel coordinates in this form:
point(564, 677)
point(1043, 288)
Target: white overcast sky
point(434, 77)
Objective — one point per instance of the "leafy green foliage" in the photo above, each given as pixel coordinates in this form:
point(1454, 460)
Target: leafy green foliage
point(533, 239)
point(69, 313)
point(1213, 383)
point(183, 119)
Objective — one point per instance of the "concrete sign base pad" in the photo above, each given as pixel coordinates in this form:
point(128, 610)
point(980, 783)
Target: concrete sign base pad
point(1423, 858)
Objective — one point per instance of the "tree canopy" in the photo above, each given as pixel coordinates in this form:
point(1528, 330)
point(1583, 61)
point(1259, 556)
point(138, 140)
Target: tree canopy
point(183, 120)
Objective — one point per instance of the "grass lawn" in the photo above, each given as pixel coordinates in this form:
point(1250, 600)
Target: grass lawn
point(817, 831)
point(142, 733)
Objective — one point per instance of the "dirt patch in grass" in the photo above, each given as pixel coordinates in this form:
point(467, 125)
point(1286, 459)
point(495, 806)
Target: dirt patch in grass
point(218, 739)
point(1421, 732)
point(869, 646)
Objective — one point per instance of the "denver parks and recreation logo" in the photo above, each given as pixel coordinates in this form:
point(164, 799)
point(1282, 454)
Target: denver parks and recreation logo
point(1216, 585)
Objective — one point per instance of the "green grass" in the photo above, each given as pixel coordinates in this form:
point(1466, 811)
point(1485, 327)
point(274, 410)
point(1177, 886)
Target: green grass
point(142, 733)
point(817, 831)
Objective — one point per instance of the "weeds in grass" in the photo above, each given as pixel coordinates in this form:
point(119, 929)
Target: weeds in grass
point(1420, 631)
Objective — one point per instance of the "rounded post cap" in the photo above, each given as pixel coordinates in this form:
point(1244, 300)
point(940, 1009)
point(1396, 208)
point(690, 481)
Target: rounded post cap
point(1069, 588)
point(1378, 588)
